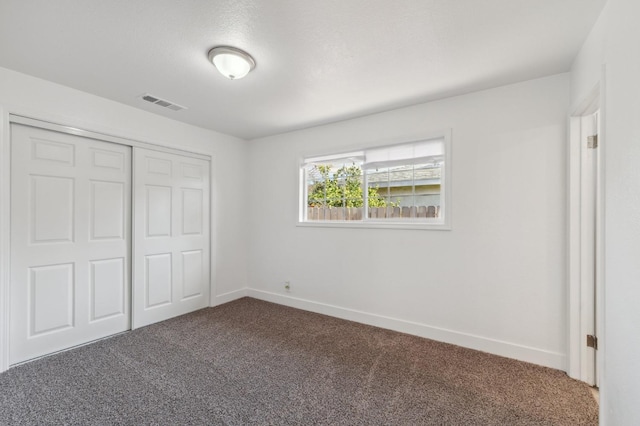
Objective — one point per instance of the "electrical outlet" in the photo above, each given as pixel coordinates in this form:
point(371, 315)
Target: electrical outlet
point(287, 285)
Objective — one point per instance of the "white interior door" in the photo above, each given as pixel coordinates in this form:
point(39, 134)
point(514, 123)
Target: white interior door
point(588, 250)
point(171, 236)
point(70, 241)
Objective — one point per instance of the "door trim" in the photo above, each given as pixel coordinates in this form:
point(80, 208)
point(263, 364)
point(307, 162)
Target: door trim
point(8, 117)
point(577, 318)
point(5, 242)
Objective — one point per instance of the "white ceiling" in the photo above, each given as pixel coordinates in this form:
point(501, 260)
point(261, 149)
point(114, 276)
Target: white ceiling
point(318, 61)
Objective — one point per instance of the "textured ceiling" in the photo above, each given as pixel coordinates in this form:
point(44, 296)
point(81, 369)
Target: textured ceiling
point(317, 61)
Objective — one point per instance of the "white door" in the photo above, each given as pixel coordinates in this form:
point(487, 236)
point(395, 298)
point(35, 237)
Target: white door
point(171, 236)
point(70, 241)
point(589, 242)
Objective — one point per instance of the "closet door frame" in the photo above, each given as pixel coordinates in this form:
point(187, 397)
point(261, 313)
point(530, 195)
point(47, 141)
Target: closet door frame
point(15, 115)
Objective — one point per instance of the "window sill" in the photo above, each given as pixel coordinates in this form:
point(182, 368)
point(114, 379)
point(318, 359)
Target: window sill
point(371, 224)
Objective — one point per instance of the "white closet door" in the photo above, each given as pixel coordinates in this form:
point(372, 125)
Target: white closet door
point(171, 236)
point(70, 241)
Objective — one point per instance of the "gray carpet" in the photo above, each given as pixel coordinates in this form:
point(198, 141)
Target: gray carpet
point(252, 362)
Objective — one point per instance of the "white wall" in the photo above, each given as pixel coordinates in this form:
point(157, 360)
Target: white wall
point(587, 65)
point(614, 42)
point(495, 282)
point(26, 95)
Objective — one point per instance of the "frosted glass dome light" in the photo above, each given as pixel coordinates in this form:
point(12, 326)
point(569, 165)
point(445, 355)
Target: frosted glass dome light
point(231, 62)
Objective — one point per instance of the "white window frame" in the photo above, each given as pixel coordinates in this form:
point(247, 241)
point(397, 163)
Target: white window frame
point(442, 223)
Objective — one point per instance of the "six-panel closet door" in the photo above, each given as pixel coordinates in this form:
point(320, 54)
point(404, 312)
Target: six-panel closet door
point(94, 250)
point(70, 241)
point(171, 236)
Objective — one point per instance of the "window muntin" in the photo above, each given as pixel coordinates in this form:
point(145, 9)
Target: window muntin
point(406, 183)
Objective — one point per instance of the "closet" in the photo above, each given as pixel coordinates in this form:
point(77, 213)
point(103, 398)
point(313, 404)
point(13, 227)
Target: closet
point(106, 235)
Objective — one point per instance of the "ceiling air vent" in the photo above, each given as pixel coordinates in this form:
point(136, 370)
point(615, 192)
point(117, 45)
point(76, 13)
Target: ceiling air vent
point(161, 102)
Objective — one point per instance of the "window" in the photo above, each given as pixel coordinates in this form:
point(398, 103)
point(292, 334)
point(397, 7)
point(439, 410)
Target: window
point(403, 185)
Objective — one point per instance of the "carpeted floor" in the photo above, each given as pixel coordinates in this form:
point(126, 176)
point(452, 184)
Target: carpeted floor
point(253, 362)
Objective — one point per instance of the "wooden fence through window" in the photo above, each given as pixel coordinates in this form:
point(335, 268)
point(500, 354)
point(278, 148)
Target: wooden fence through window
point(355, 213)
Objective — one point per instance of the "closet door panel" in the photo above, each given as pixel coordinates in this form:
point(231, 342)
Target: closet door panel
point(171, 236)
point(70, 243)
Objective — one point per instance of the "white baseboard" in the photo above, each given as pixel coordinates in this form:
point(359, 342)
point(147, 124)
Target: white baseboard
point(228, 297)
point(493, 346)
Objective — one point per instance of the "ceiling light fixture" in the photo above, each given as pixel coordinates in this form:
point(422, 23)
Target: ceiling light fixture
point(231, 62)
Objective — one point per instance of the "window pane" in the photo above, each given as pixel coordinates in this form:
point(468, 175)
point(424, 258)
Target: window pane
point(410, 191)
point(333, 188)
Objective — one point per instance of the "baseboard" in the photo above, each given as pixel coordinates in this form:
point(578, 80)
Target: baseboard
point(493, 346)
point(228, 297)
